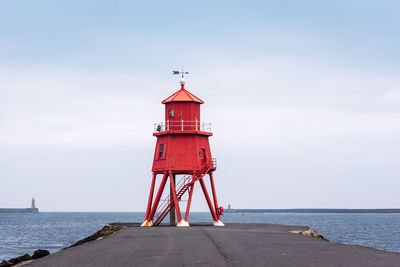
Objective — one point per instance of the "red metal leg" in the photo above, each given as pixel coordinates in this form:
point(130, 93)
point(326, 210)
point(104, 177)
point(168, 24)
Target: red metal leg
point(150, 200)
point(189, 202)
point(176, 202)
point(203, 186)
point(172, 218)
point(158, 196)
point(214, 194)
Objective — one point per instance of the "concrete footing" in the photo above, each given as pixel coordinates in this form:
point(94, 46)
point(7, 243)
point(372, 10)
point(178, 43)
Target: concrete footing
point(147, 223)
point(218, 223)
point(183, 223)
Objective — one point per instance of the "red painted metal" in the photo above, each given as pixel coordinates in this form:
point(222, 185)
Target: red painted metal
point(181, 188)
point(221, 211)
point(182, 95)
point(216, 208)
point(174, 197)
point(189, 202)
point(150, 200)
point(158, 196)
point(182, 148)
point(210, 206)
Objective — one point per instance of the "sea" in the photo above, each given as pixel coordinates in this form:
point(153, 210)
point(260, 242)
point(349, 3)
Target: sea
point(22, 233)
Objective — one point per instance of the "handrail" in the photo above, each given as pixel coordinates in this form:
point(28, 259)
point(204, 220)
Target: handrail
point(166, 201)
point(214, 163)
point(182, 125)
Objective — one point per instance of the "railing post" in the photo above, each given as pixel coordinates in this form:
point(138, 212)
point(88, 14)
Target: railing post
point(167, 126)
point(182, 125)
point(196, 126)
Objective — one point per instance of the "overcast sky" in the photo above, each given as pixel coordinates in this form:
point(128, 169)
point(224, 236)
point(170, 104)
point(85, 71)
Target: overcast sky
point(303, 96)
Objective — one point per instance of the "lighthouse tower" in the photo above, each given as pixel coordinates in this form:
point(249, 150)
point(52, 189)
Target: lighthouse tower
point(183, 159)
point(33, 203)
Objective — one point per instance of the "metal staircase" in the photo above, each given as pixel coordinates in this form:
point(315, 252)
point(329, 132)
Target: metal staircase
point(181, 188)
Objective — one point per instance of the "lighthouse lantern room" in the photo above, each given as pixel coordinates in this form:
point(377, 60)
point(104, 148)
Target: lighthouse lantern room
point(182, 159)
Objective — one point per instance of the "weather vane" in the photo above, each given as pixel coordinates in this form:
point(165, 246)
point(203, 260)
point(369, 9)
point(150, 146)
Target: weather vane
point(183, 73)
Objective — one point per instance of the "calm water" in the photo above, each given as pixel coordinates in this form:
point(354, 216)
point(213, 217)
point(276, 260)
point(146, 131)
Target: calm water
point(23, 233)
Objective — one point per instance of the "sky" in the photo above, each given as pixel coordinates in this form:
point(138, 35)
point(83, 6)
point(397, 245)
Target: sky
point(303, 97)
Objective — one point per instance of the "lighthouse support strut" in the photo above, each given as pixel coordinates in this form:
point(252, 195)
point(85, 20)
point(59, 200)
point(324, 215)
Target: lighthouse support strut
point(158, 196)
point(150, 200)
point(210, 206)
point(214, 195)
point(189, 202)
point(176, 202)
point(172, 217)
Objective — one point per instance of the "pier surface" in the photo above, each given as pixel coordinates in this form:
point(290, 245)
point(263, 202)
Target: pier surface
point(232, 245)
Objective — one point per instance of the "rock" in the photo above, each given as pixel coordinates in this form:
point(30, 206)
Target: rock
point(14, 261)
point(19, 259)
point(309, 232)
point(105, 231)
point(40, 253)
point(6, 264)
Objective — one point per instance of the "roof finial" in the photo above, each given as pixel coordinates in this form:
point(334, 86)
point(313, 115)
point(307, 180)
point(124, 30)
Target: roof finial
point(182, 80)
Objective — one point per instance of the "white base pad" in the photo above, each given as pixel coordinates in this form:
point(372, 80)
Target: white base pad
point(219, 223)
point(147, 223)
point(183, 223)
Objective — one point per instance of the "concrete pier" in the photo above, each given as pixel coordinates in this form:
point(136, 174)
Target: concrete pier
point(232, 245)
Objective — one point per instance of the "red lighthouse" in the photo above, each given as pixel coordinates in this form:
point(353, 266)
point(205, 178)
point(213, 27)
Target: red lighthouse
point(183, 159)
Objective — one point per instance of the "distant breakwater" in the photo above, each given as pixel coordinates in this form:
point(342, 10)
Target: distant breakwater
point(24, 210)
point(312, 210)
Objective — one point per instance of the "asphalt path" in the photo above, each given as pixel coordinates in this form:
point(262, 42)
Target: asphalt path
point(232, 245)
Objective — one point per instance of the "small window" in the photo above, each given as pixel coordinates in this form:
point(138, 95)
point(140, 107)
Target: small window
point(200, 154)
point(171, 113)
point(161, 152)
